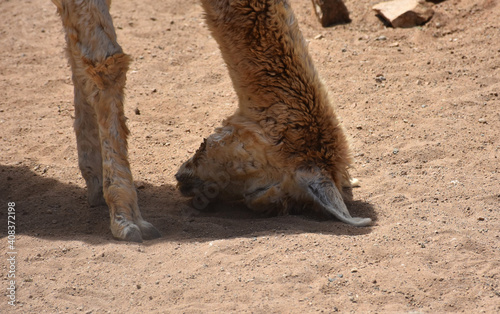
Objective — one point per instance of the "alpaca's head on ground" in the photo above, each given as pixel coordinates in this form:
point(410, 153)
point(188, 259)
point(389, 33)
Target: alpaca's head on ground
point(284, 149)
point(238, 162)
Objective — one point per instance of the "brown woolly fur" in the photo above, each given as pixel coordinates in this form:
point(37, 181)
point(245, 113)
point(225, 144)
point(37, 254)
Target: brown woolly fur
point(277, 85)
point(284, 146)
point(99, 69)
point(284, 149)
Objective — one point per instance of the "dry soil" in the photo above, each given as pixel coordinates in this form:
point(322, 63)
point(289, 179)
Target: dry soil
point(421, 106)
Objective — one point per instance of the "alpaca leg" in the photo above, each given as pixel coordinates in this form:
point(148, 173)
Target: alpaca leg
point(89, 147)
point(99, 69)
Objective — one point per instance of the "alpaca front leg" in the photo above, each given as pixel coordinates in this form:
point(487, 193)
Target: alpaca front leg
point(99, 69)
point(119, 190)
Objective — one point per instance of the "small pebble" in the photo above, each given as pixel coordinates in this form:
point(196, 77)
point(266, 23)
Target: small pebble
point(320, 36)
point(482, 120)
point(380, 78)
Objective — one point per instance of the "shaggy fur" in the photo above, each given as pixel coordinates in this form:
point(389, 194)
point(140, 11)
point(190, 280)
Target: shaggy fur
point(99, 69)
point(284, 149)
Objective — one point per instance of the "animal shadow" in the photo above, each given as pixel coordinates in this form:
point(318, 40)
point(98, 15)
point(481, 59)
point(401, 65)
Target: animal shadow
point(47, 208)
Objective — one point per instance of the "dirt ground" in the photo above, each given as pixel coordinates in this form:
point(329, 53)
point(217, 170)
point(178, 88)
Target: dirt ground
point(426, 143)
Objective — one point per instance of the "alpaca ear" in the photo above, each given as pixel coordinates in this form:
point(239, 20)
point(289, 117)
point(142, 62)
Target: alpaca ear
point(325, 194)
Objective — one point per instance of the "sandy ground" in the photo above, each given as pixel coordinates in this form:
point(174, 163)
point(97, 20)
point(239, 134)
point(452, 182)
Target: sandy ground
point(426, 141)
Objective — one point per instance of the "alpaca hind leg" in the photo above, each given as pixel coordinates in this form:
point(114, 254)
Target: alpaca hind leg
point(89, 148)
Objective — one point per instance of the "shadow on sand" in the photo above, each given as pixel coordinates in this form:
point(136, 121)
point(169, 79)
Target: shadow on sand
point(47, 208)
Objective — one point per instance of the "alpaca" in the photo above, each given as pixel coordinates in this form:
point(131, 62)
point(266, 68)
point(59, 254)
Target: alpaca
point(283, 150)
point(99, 69)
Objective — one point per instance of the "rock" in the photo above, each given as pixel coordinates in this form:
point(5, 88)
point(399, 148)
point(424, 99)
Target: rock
point(404, 13)
point(331, 12)
point(380, 78)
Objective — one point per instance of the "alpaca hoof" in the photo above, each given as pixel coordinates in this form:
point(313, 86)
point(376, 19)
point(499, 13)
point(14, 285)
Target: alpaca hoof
point(149, 232)
point(125, 230)
point(132, 234)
